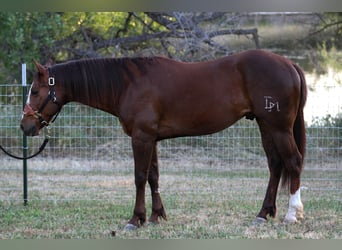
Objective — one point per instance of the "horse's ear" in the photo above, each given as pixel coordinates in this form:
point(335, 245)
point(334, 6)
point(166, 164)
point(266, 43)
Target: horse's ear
point(49, 62)
point(41, 69)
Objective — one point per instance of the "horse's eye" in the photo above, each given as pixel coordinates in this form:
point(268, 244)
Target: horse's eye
point(34, 92)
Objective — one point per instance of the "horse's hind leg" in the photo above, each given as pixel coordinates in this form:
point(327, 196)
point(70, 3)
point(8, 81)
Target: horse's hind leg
point(153, 180)
point(292, 168)
point(275, 167)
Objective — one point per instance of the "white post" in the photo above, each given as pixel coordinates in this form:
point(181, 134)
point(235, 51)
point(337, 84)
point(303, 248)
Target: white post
point(23, 74)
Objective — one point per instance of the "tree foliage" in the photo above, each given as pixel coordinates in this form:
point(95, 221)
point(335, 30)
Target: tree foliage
point(57, 37)
point(25, 36)
point(328, 32)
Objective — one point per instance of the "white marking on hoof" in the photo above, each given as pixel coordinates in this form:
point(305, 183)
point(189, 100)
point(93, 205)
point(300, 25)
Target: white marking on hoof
point(130, 227)
point(296, 208)
point(259, 220)
point(290, 219)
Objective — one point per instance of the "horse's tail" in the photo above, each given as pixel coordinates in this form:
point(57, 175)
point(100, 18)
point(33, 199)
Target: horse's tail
point(299, 124)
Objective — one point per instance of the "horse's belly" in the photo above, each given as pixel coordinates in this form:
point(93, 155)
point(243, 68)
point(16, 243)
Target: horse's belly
point(192, 124)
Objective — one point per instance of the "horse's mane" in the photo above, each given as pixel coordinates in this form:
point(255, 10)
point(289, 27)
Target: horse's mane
point(89, 77)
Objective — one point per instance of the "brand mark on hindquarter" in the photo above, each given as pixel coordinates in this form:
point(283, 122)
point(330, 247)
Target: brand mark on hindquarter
point(271, 104)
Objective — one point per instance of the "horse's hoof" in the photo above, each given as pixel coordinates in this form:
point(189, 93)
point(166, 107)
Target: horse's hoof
point(130, 227)
point(259, 220)
point(290, 221)
point(152, 223)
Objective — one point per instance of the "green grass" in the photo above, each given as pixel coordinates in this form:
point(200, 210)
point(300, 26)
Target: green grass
point(77, 204)
point(75, 219)
point(188, 218)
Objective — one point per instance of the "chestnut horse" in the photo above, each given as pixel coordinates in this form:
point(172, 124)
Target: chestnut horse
point(157, 98)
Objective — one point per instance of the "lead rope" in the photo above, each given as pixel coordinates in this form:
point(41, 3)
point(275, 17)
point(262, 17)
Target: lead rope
point(41, 148)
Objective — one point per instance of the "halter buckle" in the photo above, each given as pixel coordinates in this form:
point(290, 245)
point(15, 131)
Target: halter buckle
point(44, 123)
point(51, 81)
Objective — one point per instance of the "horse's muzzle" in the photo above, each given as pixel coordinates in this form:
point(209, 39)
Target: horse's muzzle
point(29, 128)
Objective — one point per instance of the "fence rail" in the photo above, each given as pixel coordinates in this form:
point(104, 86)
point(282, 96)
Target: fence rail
point(89, 157)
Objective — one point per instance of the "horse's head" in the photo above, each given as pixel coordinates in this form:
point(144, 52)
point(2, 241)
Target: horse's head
point(43, 102)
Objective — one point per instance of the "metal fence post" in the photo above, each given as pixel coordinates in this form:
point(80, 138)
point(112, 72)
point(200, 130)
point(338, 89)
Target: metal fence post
point(24, 92)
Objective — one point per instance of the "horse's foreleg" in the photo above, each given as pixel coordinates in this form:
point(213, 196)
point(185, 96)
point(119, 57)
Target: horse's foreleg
point(142, 151)
point(153, 180)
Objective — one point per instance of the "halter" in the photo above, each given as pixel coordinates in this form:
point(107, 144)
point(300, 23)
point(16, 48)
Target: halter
point(28, 110)
point(37, 114)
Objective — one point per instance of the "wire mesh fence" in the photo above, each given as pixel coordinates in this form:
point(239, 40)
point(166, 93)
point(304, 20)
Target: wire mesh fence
point(89, 157)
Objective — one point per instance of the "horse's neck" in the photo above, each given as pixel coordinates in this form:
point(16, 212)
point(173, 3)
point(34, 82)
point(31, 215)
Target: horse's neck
point(99, 98)
point(95, 83)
